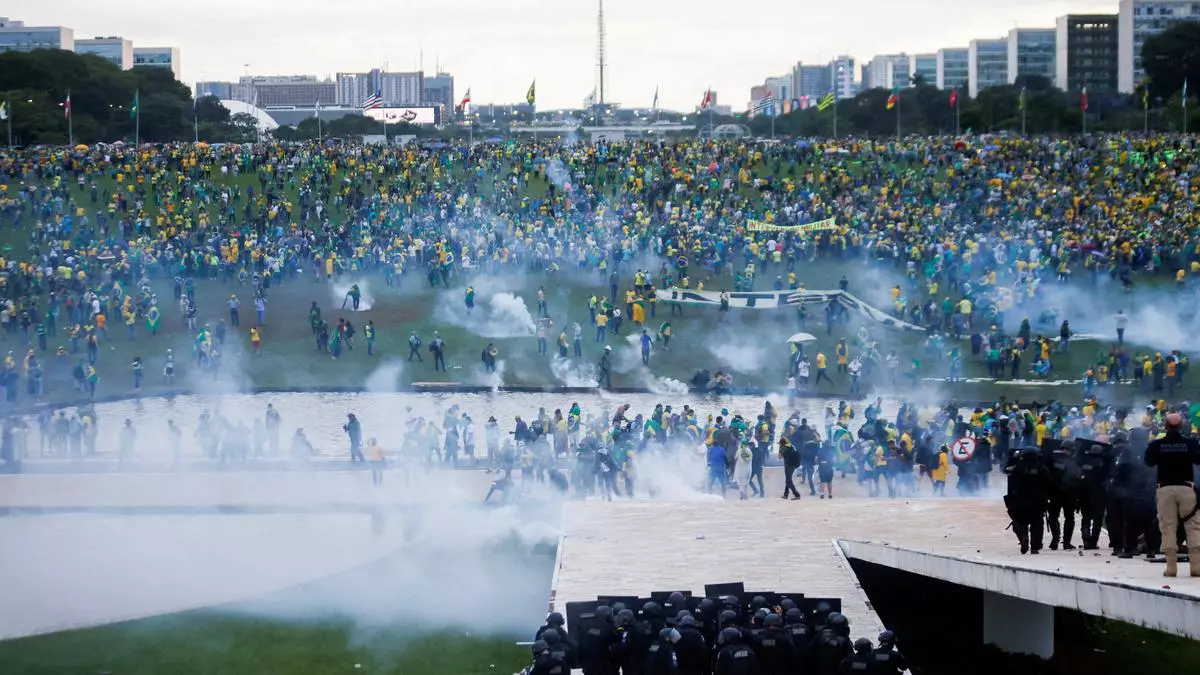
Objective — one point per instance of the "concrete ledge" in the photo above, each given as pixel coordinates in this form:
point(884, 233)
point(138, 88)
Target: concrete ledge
point(1160, 608)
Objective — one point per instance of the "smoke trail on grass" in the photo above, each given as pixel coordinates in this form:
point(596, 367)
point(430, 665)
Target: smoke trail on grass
point(503, 315)
point(338, 295)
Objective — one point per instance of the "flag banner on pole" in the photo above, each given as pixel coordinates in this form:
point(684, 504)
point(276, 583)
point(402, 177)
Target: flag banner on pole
point(1021, 100)
point(816, 226)
point(654, 106)
point(3, 110)
point(706, 102)
point(374, 101)
point(826, 101)
point(893, 99)
point(531, 95)
point(954, 97)
point(67, 107)
point(462, 105)
point(133, 109)
point(590, 100)
point(764, 106)
point(317, 111)
point(1146, 96)
point(1083, 102)
point(776, 299)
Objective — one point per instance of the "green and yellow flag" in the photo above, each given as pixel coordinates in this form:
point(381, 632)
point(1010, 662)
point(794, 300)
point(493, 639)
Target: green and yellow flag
point(531, 95)
point(826, 101)
point(133, 109)
point(1145, 96)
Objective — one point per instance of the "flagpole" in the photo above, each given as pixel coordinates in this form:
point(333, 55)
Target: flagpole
point(897, 116)
point(1145, 113)
point(1184, 105)
point(70, 122)
point(8, 114)
point(195, 121)
point(835, 102)
point(137, 118)
point(320, 136)
point(957, 116)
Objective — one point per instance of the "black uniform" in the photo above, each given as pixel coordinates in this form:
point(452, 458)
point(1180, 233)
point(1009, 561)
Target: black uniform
point(691, 650)
point(774, 649)
point(1064, 497)
point(736, 659)
point(1029, 490)
point(660, 657)
point(861, 662)
point(1096, 466)
point(596, 637)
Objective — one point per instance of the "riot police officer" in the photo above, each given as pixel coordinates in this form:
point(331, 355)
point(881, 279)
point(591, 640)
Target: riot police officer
point(559, 647)
point(802, 637)
point(596, 638)
point(544, 662)
point(660, 656)
point(860, 661)
point(1096, 467)
point(773, 647)
point(1064, 497)
point(691, 650)
point(888, 659)
point(1029, 489)
point(833, 645)
point(735, 657)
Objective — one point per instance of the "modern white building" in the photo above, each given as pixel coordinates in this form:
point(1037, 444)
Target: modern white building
point(886, 71)
point(16, 36)
point(987, 64)
point(953, 67)
point(157, 57)
point(924, 65)
point(1138, 20)
point(116, 50)
point(394, 88)
point(1031, 51)
point(844, 74)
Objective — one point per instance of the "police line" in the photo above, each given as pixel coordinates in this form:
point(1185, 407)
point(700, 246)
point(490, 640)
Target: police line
point(818, 226)
point(777, 299)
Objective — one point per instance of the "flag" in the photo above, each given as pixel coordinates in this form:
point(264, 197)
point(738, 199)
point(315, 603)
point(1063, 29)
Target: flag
point(67, 107)
point(1184, 94)
point(462, 105)
point(374, 101)
point(590, 100)
point(133, 109)
point(531, 95)
point(893, 99)
point(1021, 101)
point(654, 106)
point(1146, 96)
point(317, 112)
point(1083, 99)
point(764, 106)
point(826, 101)
point(954, 97)
point(707, 100)
point(3, 110)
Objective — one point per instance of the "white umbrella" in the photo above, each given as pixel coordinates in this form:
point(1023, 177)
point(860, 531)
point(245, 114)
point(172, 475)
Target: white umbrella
point(803, 337)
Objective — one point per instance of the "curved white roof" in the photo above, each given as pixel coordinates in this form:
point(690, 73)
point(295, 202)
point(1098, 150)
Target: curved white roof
point(265, 121)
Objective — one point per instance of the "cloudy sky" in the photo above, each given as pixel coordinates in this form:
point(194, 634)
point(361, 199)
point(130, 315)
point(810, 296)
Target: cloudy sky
point(497, 48)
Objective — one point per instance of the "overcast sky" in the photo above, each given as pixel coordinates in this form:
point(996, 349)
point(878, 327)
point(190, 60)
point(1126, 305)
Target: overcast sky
point(497, 48)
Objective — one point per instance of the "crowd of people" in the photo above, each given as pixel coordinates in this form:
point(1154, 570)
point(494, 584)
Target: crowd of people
point(976, 226)
point(711, 636)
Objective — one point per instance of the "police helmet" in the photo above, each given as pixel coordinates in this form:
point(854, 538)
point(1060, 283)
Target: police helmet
point(625, 617)
point(652, 609)
point(687, 620)
point(551, 636)
point(758, 601)
point(669, 634)
point(823, 607)
point(786, 604)
point(617, 607)
point(730, 636)
point(837, 620)
point(604, 612)
point(555, 619)
point(706, 603)
point(731, 601)
point(794, 615)
point(887, 637)
point(773, 621)
point(728, 616)
point(676, 598)
point(862, 645)
point(539, 647)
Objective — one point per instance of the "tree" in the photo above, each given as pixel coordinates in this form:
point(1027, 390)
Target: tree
point(1173, 56)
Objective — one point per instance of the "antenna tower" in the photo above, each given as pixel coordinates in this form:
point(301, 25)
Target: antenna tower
point(600, 51)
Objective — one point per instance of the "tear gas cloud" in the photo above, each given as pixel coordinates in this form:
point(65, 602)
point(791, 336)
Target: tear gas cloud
point(339, 290)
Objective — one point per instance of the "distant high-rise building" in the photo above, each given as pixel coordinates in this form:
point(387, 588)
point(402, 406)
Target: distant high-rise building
point(439, 90)
point(844, 75)
point(953, 67)
point(223, 90)
point(1031, 52)
point(16, 36)
point(925, 66)
point(116, 50)
point(157, 57)
point(285, 90)
point(1088, 52)
point(886, 71)
point(1138, 20)
point(393, 88)
point(987, 64)
point(812, 81)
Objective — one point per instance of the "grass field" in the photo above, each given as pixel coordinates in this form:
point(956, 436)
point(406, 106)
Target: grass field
point(751, 345)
